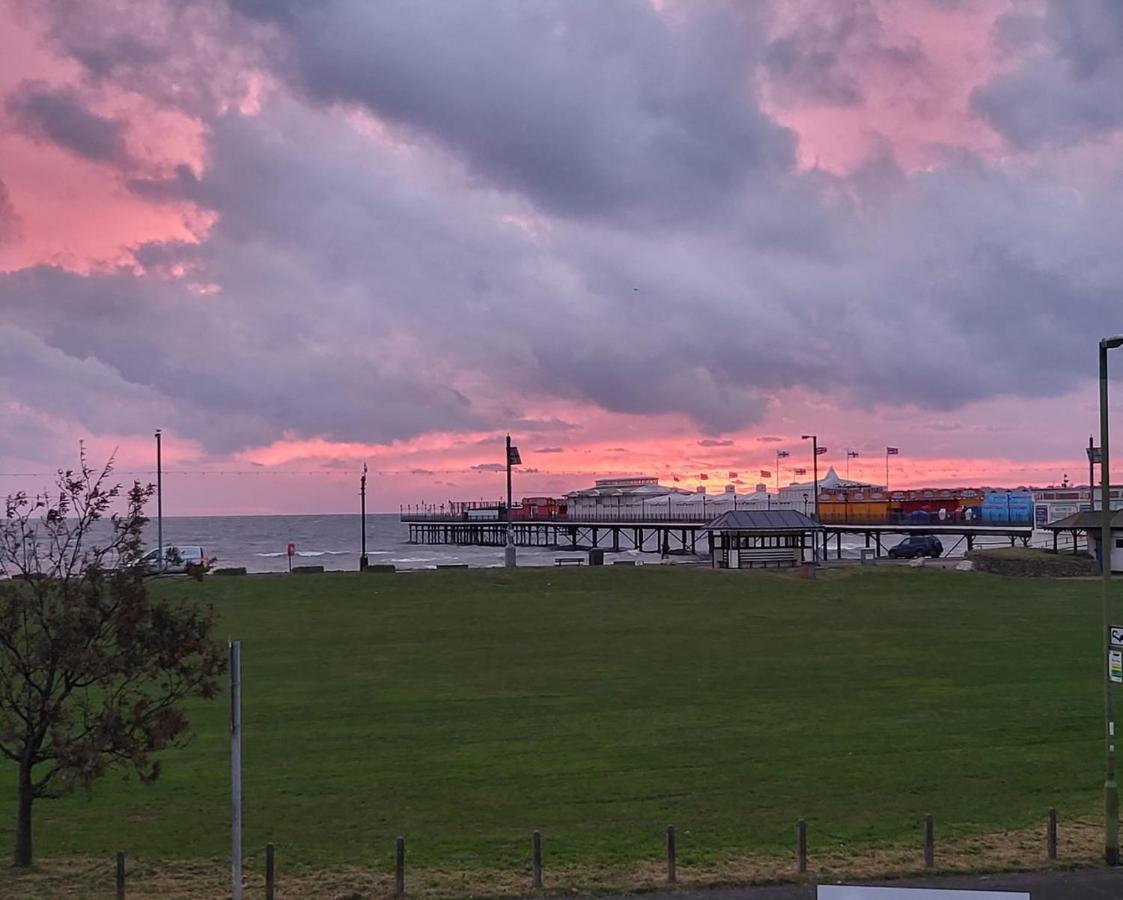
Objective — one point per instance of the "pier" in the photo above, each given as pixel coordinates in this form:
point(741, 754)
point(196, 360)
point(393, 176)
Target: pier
point(665, 534)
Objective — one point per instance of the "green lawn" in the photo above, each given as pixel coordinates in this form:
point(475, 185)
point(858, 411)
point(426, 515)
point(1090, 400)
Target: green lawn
point(465, 709)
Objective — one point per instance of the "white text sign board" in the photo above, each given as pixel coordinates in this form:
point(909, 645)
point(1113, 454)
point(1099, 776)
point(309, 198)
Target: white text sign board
point(844, 892)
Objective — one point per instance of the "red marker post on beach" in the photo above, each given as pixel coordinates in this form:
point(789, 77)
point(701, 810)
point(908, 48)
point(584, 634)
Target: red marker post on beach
point(292, 553)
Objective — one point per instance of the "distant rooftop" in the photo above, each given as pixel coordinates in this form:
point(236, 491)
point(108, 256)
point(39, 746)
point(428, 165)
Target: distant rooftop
point(636, 481)
point(763, 520)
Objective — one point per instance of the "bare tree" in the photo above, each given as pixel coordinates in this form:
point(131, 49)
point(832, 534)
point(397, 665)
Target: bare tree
point(93, 672)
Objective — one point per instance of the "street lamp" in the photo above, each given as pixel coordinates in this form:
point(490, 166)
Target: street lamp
point(159, 504)
point(1111, 787)
point(363, 562)
point(814, 438)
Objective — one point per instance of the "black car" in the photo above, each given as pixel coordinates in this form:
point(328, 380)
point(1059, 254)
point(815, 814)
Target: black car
point(917, 545)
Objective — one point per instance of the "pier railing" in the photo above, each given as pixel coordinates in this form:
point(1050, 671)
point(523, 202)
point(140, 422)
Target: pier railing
point(624, 517)
point(655, 516)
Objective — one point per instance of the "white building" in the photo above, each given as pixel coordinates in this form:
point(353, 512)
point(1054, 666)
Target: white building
point(797, 495)
point(628, 496)
point(641, 497)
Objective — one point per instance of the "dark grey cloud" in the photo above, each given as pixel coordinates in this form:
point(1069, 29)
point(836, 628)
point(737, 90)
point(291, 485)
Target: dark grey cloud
point(196, 56)
point(590, 110)
point(1066, 88)
point(60, 116)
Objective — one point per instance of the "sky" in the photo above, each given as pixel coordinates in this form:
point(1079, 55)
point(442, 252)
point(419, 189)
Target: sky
point(643, 236)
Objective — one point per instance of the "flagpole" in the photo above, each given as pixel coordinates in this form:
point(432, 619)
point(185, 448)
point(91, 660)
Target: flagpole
point(887, 470)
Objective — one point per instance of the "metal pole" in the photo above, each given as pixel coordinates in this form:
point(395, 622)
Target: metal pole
point(887, 470)
point(159, 502)
point(509, 550)
point(363, 513)
point(1111, 787)
point(815, 471)
point(236, 770)
point(1091, 474)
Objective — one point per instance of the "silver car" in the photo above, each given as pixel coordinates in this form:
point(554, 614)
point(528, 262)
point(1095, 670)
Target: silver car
point(176, 560)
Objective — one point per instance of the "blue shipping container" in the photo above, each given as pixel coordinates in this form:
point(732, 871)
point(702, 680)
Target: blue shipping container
point(1007, 508)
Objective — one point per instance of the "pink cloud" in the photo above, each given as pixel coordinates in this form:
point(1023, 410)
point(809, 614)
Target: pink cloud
point(912, 67)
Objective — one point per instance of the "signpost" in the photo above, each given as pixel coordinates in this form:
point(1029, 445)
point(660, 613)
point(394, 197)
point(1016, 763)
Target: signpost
point(292, 553)
point(236, 770)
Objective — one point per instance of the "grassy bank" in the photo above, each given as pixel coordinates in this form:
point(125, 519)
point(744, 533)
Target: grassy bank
point(465, 709)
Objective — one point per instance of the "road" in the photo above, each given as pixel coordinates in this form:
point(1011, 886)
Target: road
point(1078, 884)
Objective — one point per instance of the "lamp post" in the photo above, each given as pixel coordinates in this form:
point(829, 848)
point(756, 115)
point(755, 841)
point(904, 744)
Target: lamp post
point(1111, 787)
point(814, 438)
point(159, 503)
point(363, 514)
point(512, 460)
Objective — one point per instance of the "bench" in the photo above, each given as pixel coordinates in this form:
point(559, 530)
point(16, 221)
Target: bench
point(452, 565)
point(569, 561)
point(779, 556)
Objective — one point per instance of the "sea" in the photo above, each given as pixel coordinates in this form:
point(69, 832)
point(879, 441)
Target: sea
point(260, 544)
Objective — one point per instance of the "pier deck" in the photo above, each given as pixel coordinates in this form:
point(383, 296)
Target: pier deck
point(665, 534)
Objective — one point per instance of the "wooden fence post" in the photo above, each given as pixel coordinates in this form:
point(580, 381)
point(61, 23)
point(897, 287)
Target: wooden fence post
point(801, 845)
point(1051, 834)
point(672, 870)
point(400, 867)
point(536, 859)
point(120, 876)
point(270, 872)
point(929, 842)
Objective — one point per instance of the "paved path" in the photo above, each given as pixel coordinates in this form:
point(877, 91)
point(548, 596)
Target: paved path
point(1080, 884)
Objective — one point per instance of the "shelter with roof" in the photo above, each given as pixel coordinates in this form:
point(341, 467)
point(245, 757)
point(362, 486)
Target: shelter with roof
point(746, 538)
point(1090, 523)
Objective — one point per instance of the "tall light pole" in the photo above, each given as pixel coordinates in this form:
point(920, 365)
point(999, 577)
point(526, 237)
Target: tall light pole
point(159, 503)
point(1111, 787)
point(815, 474)
point(363, 514)
point(513, 459)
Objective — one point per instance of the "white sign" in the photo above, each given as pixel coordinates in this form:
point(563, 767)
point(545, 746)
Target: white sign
point(1115, 635)
point(846, 892)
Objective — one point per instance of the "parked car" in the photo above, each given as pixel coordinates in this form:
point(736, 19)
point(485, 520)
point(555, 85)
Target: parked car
point(917, 545)
point(176, 559)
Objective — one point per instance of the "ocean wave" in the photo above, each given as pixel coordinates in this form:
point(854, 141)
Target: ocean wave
point(307, 553)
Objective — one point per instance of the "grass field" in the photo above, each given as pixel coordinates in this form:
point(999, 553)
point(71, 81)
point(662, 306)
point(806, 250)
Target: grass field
point(465, 709)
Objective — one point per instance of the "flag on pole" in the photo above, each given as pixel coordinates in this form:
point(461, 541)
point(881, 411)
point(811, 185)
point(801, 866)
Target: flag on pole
point(764, 473)
point(799, 471)
point(891, 451)
point(513, 458)
point(732, 474)
point(782, 454)
point(704, 477)
point(675, 477)
point(820, 451)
